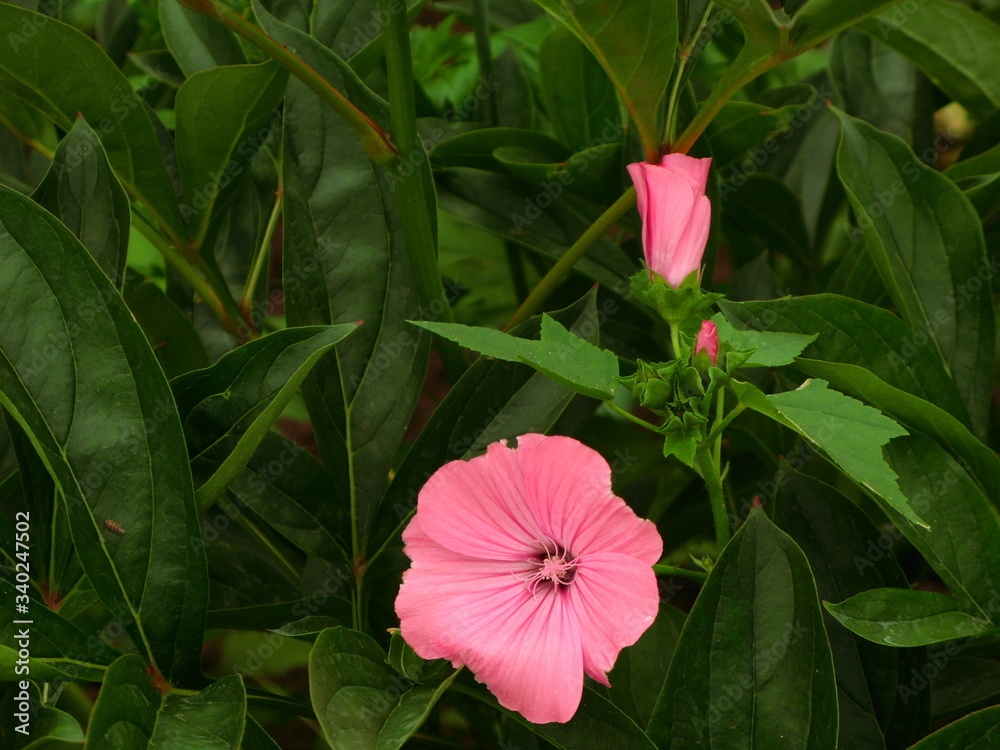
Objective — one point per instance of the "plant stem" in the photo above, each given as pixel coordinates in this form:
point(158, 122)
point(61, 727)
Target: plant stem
point(415, 191)
point(481, 29)
point(716, 495)
point(675, 340)
point(672, 570)
point(685, 57)
point(631, 417)
point(262, 256)
point(551, 280)
point(374, 140)
point(721, 425)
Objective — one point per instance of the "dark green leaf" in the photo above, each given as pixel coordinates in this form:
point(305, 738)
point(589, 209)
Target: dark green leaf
point(358, 699)
point(977, 731)
point(753, 667)
point(170, 332)
point(927, 243)
point(634, 41)
point(221, 114)
point(953, 44)
point(820, 19)
point(848, 554)
point(904, 617)
point(83, 383)
point(196, 41)
point(344, 259)
point(62, 72)
point(578, 96)
point(83, 193)
point(130, 714)
point(763, 213)
point(243, 393)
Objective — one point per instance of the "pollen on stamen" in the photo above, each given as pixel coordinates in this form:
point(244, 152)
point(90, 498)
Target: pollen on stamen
point(552, 564)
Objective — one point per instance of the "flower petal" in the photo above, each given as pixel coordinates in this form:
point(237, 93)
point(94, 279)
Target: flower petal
point(615, 599)
point(691, 244)
point(569, 488)
point(478, 508)
point(695, 170)
point(670, 201)
point(531, 658)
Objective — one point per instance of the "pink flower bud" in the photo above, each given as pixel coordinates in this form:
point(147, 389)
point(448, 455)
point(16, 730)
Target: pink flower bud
point(675, 214)
point(708, 341)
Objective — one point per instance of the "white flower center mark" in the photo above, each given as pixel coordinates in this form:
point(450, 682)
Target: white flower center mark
point(553, 567)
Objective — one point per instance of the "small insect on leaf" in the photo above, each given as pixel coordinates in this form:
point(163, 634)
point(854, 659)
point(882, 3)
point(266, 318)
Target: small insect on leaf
point(112, 526)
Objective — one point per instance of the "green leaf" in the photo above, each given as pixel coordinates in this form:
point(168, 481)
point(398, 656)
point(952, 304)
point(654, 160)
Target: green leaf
point(221, 114)
point(764, 213)
point(645, 664)
point(85, 386)
point(62, 72)
point(927, 243)
point(344, 259)
point(170, 332)
point(773, 348)
point(131, 715)
point(634, 41)
point(47, 727)
point(848, 432)
point(756, 17)
point(578, 95)
point(742, 126)
point(753, 667)
point(561, 355)
point(963, 542)
point(904, 617)
point(59, 649)
point(358, 699)
point(494, 400)
point(286, 486)
point(953, 44)
point(820, 19)
point(856, 333)
point(196, 41)
point(964, 683)
point(243, 393)
point(848, 555)
point(511, 209)
point(83, 193)
point(977, 731)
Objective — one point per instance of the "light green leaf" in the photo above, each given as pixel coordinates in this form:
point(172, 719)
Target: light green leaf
point(196, 41)
point(904, 617)
point(561, 355)
point(848, 432)
point(773, 348)
point(820, 19)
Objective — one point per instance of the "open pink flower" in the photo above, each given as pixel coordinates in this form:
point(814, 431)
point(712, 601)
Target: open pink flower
point(530, 571)
point(675, 214)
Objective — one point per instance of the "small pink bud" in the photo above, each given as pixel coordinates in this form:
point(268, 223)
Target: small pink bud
point(708, 341)
point(675, 214)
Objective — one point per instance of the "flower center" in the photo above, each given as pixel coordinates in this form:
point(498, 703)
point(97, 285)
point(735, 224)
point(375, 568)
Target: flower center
point(552, 567)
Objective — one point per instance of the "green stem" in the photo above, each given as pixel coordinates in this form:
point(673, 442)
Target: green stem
point(481, 28)
point(675, 340)
point(629, 416)
point(720, 410)
point(716, 495)
point(374, 140)
point(685, 57)
point(222, 305)
point(262, 256)
point(551, 280)
point(414, 191)
point(671, 570)
point(724, 423)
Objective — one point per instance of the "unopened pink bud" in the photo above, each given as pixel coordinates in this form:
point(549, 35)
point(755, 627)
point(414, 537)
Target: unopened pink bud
point(708, 341)
point(675, 213)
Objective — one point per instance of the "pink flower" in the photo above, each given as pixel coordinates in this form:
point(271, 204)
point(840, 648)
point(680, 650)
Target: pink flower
point(675, 214)
point(708, 341)
point(530, 571)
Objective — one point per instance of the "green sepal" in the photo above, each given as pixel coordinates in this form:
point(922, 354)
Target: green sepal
point(675, 306)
